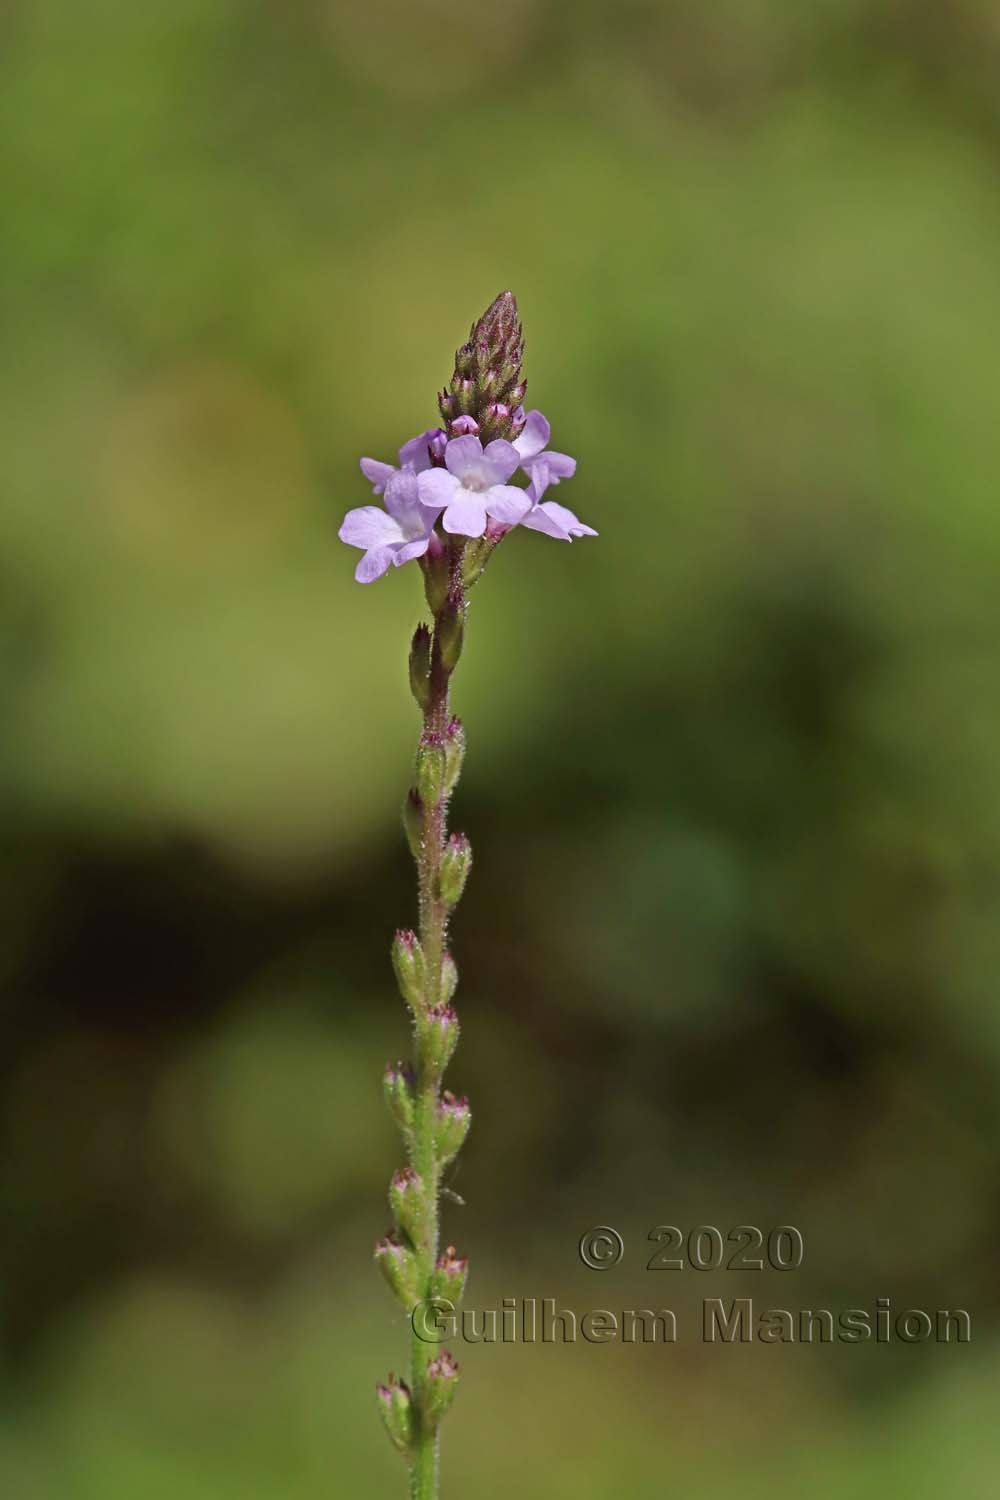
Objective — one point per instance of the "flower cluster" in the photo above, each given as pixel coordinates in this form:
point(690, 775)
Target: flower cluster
point(449, 483)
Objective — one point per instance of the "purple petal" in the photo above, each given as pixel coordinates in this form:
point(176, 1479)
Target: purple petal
point(539, 472)
point(376, 473)
point(466, 515)
point(560, 516)
point(506, 503)
point(373, 564)
point(403, 503)
point(561, 466)
point(534, 436)
point(415, 454)
point(538, 519)
point(409, 550)
point(462, 453)
point(500, 459)
point(437, 489)
point(368, 526)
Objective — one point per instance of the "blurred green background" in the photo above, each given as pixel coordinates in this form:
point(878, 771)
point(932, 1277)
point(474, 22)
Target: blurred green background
point(729, 952)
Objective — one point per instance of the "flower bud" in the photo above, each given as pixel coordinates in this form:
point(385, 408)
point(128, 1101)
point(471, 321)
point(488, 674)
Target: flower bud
point(464, 392)
point(430, 772)
point(456, 862)
point(411, 970)
point(478, 552)
point(398, 1265)
point(454, 753)
point(398, 1084)
point(451, 1126)
point(488, 372)
point(436, 446)
point(413, 821)
point(436, 580)
point(449, 1276)
point(397, 1412)
point(440, 1385)
point(451, 632)
point(464, 426)
point(406, 1199)
point(437, 1038)
point(449, 977)
point(420, 666)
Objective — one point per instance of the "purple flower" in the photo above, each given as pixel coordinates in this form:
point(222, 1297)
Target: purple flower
point(473, 485)
point(402, 531)
point(555, 520)
point(542, 467)
point(415, 455)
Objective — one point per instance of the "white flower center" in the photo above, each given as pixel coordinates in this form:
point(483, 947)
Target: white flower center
point(476, 482)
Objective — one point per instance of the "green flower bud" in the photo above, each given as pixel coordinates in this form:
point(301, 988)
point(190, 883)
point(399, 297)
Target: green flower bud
point(449, 1277)
point(398, 1265)
point(440, 1386)
point(449, 978)
point(430, 773)
point(454, 753)
point(397, 1413)
point(436, 579)
point(420, 666)
point(473, 559)
point(411, 971)
point(406, 1199)
point(456, 862)
point(437, 1038)
point(451, 633)
point(398, 1087)
point(413, 821)
point(451, 1125)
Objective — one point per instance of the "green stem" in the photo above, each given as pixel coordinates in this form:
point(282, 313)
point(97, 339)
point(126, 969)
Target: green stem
point(424, 1470)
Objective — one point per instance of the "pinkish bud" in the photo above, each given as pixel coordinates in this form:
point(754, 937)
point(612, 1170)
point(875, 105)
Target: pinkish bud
point(408, 962)
point(456, 862)
point(449, 1276)
point(439, 1389)
point(454, 753)
point(396, 1411)
point(398, 1085)
point(406, 1199)
point(398, 1265)
point(451, 1126)
point(437, 1038)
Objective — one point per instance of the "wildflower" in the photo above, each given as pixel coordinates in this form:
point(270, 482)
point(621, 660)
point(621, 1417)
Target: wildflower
point(555, 520)
point(473, 485)
point(404, 530)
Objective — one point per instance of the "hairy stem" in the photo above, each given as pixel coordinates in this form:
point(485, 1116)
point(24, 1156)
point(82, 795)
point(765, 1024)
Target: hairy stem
point(433, 937)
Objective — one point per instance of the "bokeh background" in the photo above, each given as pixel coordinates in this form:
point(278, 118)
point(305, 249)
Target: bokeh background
point(730, 949)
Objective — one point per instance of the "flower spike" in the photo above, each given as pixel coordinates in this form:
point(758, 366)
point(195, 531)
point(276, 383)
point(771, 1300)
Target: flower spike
point(456, 492)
